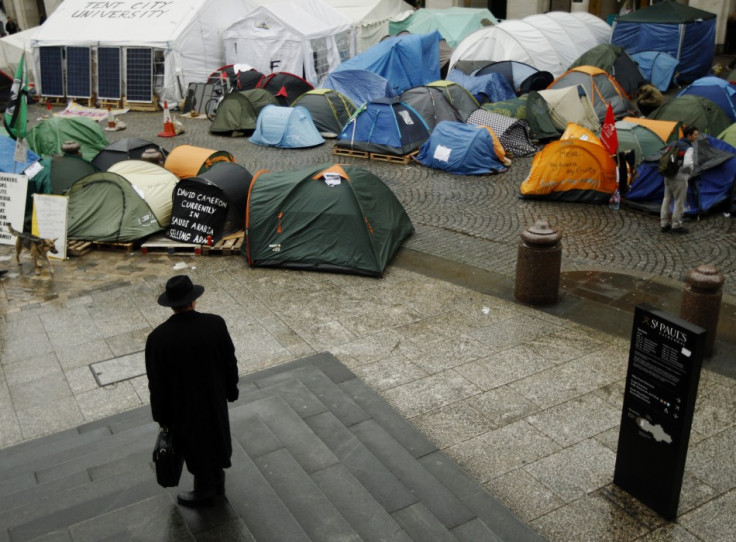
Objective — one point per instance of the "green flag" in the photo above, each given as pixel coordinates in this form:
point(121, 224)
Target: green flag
point(16, 113)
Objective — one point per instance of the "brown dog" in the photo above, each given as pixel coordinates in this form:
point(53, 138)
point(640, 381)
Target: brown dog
point(39, 248)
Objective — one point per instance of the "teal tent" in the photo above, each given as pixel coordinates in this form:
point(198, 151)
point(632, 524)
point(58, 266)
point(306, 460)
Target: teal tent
point(453, 23)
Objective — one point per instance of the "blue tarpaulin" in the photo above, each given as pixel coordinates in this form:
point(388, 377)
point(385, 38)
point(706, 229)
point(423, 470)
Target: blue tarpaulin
point(657, 67)
point(359, 86)
point(491, 87)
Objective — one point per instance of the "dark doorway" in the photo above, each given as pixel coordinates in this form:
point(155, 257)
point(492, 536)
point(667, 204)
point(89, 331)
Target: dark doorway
point(498, 8)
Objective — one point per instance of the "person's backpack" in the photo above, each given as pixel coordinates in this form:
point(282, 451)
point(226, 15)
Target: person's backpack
point(670, 161)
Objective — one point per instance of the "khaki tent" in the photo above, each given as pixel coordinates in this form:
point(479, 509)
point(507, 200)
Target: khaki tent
point(155, 182)
point(568, 105)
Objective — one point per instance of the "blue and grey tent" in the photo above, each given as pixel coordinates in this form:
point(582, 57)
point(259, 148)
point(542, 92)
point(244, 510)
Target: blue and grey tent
point(657, 67)
point(717, 90)
point(359, 86)
point(711, 186)
point(462, 149)
point(286, 128)
point(404, 61)
point(686, 33)
point(387, 126)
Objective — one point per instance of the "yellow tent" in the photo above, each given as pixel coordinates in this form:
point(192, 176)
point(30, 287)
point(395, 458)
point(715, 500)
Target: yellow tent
point(576, 168)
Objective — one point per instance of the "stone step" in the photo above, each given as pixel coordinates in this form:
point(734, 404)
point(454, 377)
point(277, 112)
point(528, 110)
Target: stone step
point(317, 455)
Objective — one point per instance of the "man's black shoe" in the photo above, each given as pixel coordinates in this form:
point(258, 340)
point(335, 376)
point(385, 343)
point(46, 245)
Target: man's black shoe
point(680, 231)
point(194, 499)
point(665, 229)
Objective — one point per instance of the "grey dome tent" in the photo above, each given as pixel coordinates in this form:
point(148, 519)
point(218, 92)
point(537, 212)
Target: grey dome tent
point(238, 111)
point(286, 128)
point(330, 110)
point(129, 148)
point(324, 218)
point(458, 96)
point(210, 204)
point(432, 104)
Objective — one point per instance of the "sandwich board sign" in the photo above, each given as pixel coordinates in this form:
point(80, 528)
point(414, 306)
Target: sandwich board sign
point(50, 221)
point(13, 190)
point(665, 358)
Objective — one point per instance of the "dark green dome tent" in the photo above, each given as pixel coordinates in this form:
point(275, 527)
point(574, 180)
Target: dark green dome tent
point(67, 169)
point(121, 206)
point(238, 111)
point(323, 218)
point(693, 110)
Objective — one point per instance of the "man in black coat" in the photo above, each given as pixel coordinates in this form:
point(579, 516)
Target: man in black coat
point(192, 374)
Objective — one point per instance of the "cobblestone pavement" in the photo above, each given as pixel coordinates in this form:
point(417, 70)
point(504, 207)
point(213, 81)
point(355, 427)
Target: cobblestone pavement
point(476, 220)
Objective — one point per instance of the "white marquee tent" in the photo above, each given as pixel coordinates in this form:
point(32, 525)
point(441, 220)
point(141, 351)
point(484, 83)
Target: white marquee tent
point(130, 49)
point(12, 48)
point(370, 18)
point(307, 38)
point(549, 42)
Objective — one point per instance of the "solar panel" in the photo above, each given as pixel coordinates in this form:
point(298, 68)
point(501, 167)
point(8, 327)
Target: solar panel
point(139, 75)
point(108, 73)
point(52, 71)
point(78, 72)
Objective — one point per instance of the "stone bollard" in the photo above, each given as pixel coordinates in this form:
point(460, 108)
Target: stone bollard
point(701, 301)
point(538, 265)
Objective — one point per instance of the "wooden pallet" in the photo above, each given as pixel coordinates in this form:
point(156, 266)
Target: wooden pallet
point(159, 243)
point(80, 248)
point(141, 106)
point(227, 246)
point(393, 158)
point(104, 103)
point(339, 151)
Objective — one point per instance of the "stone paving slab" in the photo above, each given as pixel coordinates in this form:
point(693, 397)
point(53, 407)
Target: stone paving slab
point(289, 486)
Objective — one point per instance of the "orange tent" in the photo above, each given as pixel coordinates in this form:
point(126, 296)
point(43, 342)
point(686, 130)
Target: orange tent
point(576, 168)
point(187, 161)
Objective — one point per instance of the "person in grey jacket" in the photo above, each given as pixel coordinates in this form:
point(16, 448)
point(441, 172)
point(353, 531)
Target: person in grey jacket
point(675, 188)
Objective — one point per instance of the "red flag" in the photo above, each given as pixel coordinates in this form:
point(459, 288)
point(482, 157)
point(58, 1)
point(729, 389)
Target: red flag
point(609, 138)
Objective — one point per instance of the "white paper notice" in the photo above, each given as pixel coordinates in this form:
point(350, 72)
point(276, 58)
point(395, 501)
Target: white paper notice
point(442, 153)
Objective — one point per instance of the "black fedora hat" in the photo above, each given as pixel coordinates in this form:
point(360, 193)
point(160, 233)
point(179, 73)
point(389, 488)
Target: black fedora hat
point(180, 291)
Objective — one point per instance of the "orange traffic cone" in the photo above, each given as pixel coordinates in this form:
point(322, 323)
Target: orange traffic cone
point(168, 124)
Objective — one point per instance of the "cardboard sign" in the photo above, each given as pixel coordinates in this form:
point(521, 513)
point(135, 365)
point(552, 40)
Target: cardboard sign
point(50, 221)
point(13, 191)
point(196, 214)
point(665, 358)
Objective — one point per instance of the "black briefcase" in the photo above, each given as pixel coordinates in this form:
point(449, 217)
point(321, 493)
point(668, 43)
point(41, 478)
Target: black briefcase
point(168, 461)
